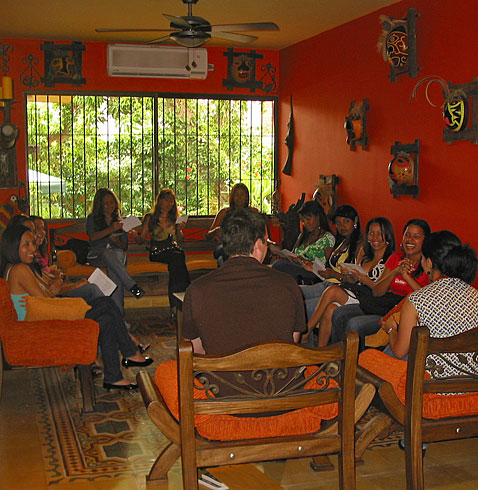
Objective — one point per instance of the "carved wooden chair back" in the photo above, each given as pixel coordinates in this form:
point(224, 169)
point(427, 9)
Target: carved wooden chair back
point(437, 356)
point(270, 363)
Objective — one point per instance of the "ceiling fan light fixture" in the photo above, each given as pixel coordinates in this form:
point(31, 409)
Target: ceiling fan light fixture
point(190, 39)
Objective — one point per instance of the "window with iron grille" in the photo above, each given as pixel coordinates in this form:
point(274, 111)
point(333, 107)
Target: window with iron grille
point(136, 144)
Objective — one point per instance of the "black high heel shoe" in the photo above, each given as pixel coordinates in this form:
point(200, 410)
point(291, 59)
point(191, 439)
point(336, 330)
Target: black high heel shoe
point(111, 386)
point(137, 292)
point(130, 363)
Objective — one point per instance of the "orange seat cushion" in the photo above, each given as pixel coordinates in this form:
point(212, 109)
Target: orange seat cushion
point(227, 427)
point(434, 406)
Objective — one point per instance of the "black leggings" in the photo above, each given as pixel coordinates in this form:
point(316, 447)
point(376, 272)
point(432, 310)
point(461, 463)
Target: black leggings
point(178, 272)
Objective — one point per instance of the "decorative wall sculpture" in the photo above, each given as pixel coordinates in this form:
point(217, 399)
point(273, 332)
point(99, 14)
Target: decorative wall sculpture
point(403, 169)
point(30, 76)
point(326, 193)
point(4, 56)
point(356, 124)
point(289, 141)
point(241, 70)
point(459, 113)
point(398, 44)
point(63, 63)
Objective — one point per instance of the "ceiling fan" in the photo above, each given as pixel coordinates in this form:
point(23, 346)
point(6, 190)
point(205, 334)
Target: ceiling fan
point(192, 31)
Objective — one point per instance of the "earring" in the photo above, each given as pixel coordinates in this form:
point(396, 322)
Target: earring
point(355, 225)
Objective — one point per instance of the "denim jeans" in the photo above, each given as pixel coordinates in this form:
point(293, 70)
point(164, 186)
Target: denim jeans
point(114, 260)
point(88, 292)
point(351, 318)
point(294, 270)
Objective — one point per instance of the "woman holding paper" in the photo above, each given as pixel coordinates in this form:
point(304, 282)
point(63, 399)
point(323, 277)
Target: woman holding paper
point(17, 256)
point(108, 242)
point(164, 225)
point(315, 242)
point(380, 244)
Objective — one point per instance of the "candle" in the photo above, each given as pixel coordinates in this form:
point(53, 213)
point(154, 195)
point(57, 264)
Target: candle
point(1, 97)
point(7, 86)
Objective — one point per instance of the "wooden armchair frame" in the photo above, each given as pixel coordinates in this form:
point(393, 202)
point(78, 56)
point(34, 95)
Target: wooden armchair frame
point(49, 343)
point(417, 429)
point(334, 437)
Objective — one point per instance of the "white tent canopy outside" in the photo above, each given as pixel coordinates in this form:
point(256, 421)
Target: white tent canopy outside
point(46, 183)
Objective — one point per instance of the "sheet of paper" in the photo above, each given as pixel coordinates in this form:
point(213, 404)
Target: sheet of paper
point(283, 252)
point(181, 219)
point(352, 267)
point(318, 267)
point(130, 222)
point(99, 278)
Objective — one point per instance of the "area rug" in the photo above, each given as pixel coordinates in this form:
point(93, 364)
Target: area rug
point(118, 439)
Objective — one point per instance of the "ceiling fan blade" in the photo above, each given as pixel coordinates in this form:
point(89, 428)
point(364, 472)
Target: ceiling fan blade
point(249, 26)
point(131, 30)
point(231, 36)
point(159, 40)
point(177, 20)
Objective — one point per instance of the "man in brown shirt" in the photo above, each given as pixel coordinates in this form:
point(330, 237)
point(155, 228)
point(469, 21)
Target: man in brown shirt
point(243, 302)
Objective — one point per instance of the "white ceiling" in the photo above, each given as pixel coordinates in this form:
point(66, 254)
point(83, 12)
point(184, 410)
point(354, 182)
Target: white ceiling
point(76, 20)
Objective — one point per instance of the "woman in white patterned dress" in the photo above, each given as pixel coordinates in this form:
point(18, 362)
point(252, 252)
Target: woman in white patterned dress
point(449, 304)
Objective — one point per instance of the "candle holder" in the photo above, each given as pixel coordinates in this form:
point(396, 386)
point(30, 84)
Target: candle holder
point(8, 137)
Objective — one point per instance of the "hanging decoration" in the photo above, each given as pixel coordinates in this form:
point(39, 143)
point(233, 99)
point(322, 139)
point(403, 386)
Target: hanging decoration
point(241, 70)
point(455, 107)
point(268, 80)
point(8, 136)
point(397, 44)
point(403, 169)
point(4, 56)
point(326, 193)
point(30, 76)
point(289, 141)
point(63, 63)
point(356, 125)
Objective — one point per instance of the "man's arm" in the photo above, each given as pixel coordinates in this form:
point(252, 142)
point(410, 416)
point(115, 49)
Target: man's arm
point(190, 330)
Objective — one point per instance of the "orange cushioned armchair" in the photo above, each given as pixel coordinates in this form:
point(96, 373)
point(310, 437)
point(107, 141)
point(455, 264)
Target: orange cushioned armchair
point(48, 344)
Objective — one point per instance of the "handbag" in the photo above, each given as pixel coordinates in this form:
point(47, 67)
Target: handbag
point(376, 305)
point(42, 308)
point(158, 247)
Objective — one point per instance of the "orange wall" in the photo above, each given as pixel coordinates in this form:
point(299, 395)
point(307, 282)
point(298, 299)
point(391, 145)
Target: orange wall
point(94, 70)
point(326, 72)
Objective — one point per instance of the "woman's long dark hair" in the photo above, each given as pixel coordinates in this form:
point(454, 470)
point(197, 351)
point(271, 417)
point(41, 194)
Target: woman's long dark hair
point(388, 235)
point(421, 223)
point(450, 256)
point(9, 254)
point(97, 209)
point(312, 208)
point(173, 213)
point(355, 239)
point(235, 187)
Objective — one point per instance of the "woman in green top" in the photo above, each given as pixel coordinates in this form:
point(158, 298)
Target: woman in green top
point(164, 234)
point(315, 241)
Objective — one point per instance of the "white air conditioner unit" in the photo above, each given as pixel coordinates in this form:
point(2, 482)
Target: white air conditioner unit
point(133, 60)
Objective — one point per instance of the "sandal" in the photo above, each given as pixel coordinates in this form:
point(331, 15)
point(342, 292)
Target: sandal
point(143, 348)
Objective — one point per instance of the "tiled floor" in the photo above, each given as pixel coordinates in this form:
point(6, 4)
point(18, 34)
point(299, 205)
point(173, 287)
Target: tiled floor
point(450, 465)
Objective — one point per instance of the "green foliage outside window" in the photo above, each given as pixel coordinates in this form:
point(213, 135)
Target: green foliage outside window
point(135, 145)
